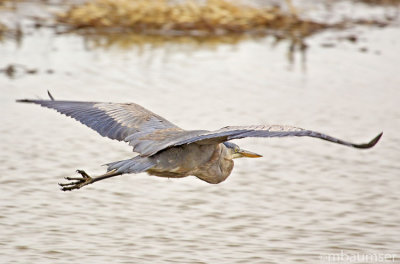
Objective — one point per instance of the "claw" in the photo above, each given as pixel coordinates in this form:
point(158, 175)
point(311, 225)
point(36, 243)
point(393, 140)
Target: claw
point(73, 179)
point(83, 173)
point(76, 182)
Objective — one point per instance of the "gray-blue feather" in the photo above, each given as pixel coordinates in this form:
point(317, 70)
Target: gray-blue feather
point(135, 165)
point(117, 121)
point(238, 132)
point(149, 133)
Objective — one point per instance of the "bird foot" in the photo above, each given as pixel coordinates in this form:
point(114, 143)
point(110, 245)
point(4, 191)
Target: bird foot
point(76, 182)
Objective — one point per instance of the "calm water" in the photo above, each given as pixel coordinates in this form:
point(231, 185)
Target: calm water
point(305, 199)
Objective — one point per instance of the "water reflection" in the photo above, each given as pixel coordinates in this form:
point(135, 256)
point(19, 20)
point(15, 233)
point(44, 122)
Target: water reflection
point(127, 41)
point(148, 48)
point(140, 42)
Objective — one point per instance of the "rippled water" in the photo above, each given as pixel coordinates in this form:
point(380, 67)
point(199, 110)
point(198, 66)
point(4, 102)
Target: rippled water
point(306, 198)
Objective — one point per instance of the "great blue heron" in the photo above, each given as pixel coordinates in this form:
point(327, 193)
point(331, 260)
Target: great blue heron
point(165, 149)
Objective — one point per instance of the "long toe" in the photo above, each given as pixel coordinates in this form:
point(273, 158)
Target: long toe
point(72, 185)
point(83, 173)
point(68, 184)
point(69, 188)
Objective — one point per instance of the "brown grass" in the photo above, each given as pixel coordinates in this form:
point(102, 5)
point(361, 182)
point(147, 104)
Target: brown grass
point(3, 28)
point(380, 2)
point(163, 17)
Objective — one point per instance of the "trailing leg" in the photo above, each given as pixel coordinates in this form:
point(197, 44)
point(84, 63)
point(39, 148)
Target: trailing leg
point(79, 182)
point(134, 165)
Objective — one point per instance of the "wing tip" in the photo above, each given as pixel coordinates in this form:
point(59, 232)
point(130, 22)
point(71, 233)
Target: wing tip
point(24, 101)
point(51, 96)
point(34, 101)
point(371, 143)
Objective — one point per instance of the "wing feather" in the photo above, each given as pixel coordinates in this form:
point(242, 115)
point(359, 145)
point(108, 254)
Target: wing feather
point(149, 133)
point(238, 132)
point(115, 120)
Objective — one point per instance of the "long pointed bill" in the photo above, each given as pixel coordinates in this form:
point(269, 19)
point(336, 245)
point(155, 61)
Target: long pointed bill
point(249, 154)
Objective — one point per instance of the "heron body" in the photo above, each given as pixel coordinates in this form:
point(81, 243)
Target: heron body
point(163, 148)
point(202, 161)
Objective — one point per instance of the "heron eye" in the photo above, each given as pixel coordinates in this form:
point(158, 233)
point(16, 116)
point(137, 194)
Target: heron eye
point(236, 150)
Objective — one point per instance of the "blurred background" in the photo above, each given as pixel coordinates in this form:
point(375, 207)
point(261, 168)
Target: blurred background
point(330, 66)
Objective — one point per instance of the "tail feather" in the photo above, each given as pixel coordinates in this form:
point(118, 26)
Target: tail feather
point(134, 165)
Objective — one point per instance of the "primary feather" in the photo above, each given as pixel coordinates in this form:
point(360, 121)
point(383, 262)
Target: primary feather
point(149, 133)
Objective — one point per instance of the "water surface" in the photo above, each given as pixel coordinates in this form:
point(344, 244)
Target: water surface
point(306, 198)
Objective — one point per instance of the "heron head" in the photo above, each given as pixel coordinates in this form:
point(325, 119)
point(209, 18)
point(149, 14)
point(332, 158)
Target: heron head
point(236, 152)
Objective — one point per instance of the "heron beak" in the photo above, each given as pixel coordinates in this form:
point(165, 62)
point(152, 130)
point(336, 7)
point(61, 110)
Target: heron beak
point(249, 154)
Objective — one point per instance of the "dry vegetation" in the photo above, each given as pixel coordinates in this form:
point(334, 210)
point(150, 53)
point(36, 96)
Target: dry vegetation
point(2, 29)
point(163, 17)
point(380, 2)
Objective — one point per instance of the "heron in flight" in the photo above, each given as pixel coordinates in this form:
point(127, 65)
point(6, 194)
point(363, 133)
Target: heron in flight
point(165, 149)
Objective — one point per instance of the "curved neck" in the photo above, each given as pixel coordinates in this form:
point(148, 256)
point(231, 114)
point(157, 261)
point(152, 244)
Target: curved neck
point(218, 168)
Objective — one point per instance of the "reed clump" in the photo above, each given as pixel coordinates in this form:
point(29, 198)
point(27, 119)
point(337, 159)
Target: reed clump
point(3, 28)
point(162, 16)
point(381, 2)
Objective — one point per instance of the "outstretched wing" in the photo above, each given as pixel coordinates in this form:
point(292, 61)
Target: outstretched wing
point(115, 120)
point(149, 133)
point(237, 132)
